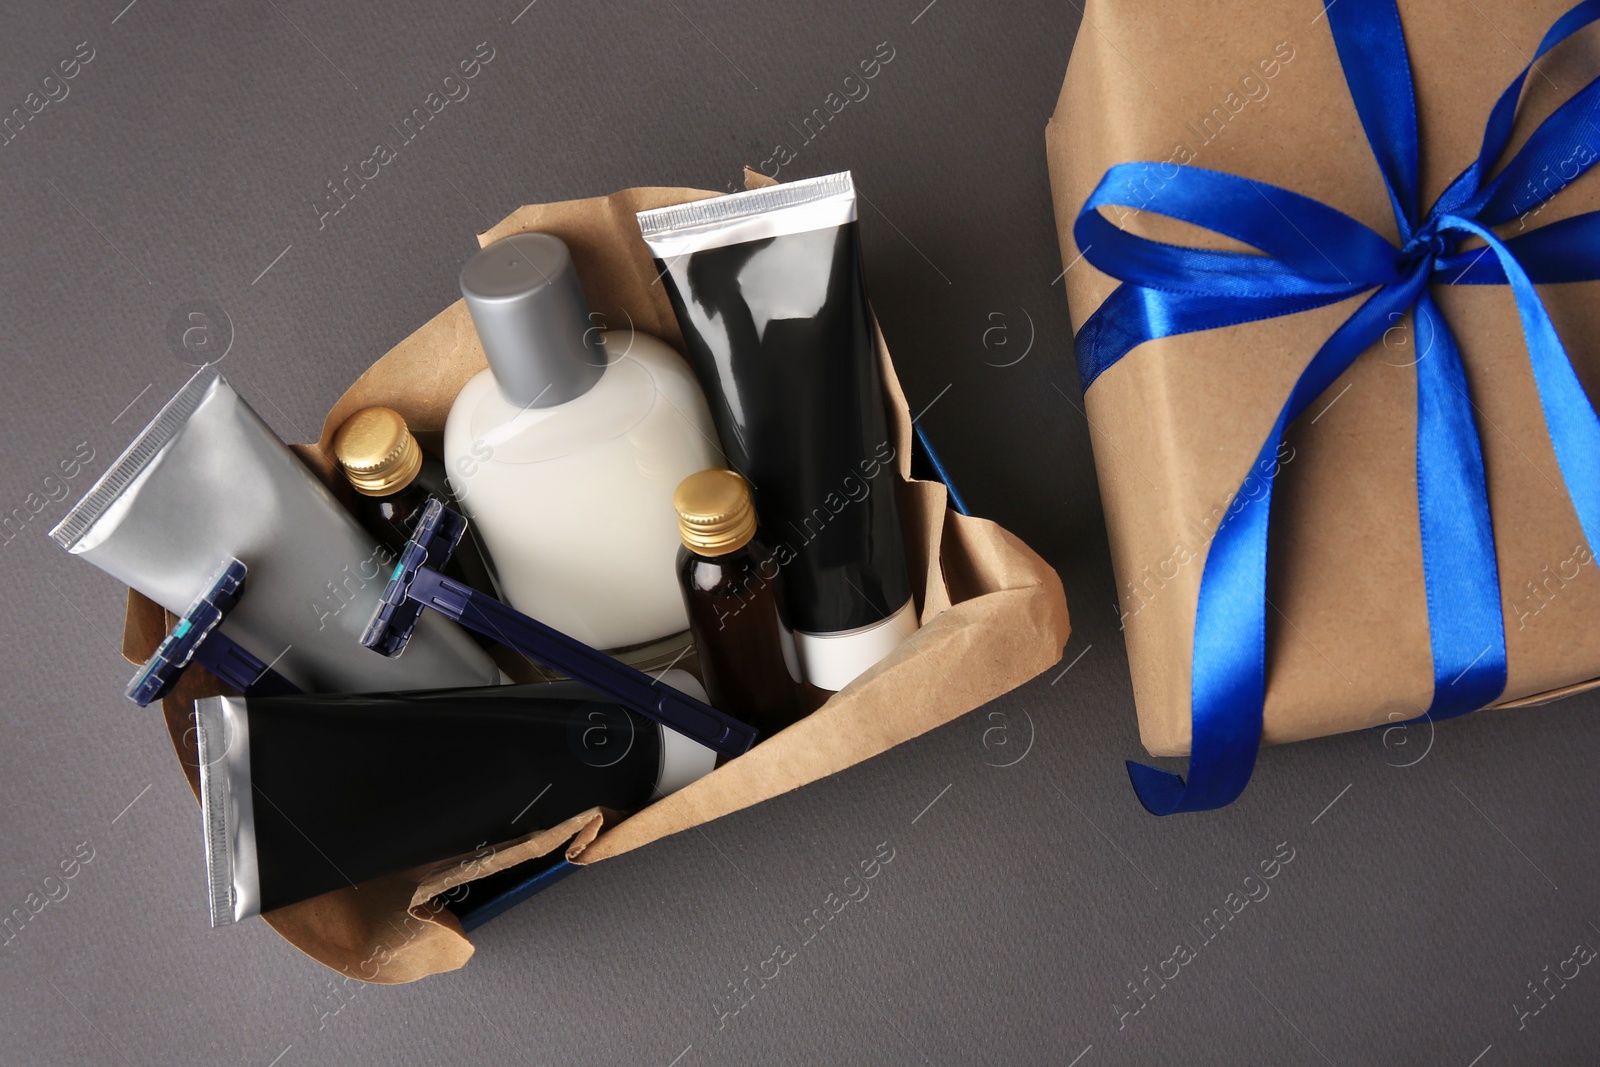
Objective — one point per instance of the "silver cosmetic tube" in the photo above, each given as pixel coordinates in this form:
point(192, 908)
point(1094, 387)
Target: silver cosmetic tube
point(208, 479)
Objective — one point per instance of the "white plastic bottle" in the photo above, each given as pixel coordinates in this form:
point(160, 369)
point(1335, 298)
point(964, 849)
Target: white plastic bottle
point(565, 453)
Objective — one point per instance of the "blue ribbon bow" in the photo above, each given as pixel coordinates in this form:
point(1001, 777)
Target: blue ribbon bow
point(1311, 256)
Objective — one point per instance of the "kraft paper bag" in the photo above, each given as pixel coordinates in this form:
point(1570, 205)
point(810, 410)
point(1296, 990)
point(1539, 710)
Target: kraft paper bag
point(993, 613)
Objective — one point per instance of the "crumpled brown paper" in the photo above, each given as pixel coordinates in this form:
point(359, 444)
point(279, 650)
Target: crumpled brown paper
point(993, 616)
point(1257, 90)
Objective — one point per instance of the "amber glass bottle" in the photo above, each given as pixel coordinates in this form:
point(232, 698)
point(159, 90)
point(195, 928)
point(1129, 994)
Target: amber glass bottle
point(732, 589)
point(393, 480)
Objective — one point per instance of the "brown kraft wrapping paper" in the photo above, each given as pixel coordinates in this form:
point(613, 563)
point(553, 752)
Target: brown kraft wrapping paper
point(1256, 89)
point(993, 616)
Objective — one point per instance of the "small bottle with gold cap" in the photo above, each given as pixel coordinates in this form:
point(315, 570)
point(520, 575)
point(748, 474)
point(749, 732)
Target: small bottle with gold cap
point(393, 479)
point(733, 592)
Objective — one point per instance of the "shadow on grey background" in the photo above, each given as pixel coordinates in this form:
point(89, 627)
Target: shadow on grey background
point(1031, 910)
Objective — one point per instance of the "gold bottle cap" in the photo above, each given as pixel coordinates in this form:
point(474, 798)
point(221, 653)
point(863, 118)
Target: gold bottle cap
point(715, 515)
point(377, 451)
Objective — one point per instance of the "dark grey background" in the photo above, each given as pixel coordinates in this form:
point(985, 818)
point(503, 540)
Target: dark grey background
point(1022, 899)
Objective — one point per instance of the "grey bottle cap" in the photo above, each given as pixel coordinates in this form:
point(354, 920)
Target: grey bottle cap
point(533, 320)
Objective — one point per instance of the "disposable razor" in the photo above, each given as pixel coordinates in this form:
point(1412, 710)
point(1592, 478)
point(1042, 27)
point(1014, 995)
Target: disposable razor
point(196, 639)
point(417, 583)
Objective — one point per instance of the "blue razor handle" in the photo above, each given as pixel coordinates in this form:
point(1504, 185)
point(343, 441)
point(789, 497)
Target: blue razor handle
point(196, 639)
point(416, 583)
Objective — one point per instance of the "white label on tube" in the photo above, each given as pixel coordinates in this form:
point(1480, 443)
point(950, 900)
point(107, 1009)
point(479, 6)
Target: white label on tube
point(833, 661)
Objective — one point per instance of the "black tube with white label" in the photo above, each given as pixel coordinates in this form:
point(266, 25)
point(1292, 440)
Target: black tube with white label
point(767, 288)
point(306, 794)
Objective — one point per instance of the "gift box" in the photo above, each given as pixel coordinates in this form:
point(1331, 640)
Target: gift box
point(1253, 240)
point(993, 616)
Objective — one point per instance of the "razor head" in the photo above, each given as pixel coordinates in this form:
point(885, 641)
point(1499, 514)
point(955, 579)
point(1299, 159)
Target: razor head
point(173, 656)
point(435, 537)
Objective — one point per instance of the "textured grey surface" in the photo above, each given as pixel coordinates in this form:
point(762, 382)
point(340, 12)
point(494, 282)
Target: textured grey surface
point(1021, 901)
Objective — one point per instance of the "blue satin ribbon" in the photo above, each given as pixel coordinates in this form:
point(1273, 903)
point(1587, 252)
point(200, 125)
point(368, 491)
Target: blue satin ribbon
point(1310, 255)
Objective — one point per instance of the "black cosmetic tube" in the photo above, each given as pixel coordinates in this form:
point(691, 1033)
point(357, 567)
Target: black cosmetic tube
point(306, 794)
point(767, 288)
